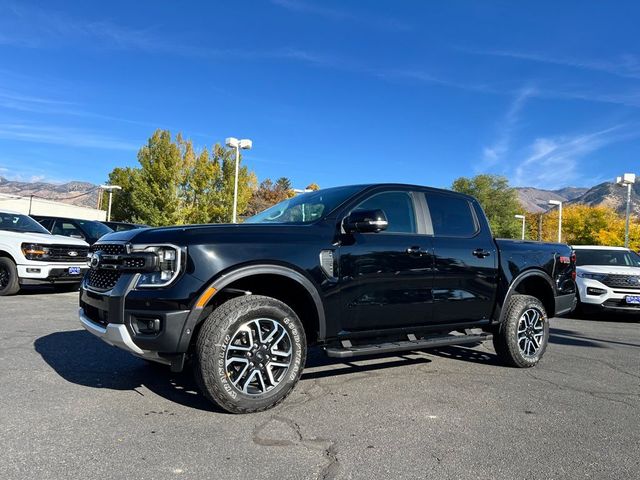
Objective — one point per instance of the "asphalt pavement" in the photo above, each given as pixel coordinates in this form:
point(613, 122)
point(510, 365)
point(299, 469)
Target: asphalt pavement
point(73, 407)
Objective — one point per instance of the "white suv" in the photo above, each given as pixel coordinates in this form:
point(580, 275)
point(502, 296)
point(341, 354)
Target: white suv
point(608, 278)
point(30, 255)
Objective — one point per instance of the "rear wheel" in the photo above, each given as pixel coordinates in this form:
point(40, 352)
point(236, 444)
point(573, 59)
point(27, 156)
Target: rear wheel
point(524, 333)
point(249, 354)
point(9, 284)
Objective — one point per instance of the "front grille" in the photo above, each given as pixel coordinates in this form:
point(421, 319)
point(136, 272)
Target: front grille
point(622, 281)
point(109, 248)
point(134, 262)
point(102, 279)
point(67, 253)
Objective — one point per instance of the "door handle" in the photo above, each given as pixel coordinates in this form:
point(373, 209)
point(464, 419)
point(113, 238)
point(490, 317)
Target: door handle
point(481, 253)
point(416, 250)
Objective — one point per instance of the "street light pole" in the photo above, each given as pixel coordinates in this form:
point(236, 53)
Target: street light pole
point(523, 218)
point(110, 189)
point(244, 144)
point(559, 204)
point(628, 179)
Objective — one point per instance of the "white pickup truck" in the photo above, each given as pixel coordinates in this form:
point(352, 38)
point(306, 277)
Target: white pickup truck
point(30, 255)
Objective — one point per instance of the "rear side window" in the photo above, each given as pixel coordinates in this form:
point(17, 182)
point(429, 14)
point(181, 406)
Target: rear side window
point(397, 206)
point(451, 216)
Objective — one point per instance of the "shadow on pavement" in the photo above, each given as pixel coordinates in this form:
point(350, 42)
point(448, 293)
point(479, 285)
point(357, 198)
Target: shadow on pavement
point(47, 289)
point(569, 337)
point(317, 358)
point(80, 358)
point(467, 355)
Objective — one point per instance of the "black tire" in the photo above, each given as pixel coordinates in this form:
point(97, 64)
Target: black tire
point(511, 344)
point(227, 385)
point(9, 283)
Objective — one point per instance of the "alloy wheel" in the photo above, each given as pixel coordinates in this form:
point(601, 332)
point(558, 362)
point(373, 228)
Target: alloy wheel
point(530, 332)
point(258, 356)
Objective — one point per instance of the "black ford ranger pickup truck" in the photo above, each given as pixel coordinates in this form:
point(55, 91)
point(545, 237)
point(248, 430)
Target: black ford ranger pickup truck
point(355, 270)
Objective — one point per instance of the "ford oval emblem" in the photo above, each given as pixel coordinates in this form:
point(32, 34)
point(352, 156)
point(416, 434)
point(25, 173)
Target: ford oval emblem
point(72, 253)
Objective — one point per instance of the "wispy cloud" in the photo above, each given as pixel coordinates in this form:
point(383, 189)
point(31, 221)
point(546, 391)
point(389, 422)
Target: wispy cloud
point(624, 65)
point(494, 153)
point(33, 27)
point(55, 135)
point(553, 162)
point(342, 15)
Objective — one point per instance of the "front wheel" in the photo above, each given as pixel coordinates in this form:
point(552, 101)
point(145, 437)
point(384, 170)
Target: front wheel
point(524, 332)
point(9, 283)
point(249, 354)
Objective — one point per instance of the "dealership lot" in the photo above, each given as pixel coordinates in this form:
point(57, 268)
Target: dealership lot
point(75, 407)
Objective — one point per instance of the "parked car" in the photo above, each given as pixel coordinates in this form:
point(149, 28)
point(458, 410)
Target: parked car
point(356, 270)
point(87, 230)
point(608, 278)
point(30, 255)
point(123, 226)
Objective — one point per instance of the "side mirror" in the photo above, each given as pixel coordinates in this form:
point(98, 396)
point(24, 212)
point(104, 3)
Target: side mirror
point(366, 221)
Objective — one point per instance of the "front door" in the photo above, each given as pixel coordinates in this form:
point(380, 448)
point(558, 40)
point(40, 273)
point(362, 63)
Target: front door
point(386, 277)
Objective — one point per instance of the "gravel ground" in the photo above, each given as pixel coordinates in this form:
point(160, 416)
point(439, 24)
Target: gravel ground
point(74, 407)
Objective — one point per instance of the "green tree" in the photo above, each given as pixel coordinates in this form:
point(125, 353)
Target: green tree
point(157, 197)
point(121, 204)
point(497, 198)
point(175, 185)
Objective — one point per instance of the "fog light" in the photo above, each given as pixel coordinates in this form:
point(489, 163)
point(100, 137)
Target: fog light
point(33, 270)
point(147, 325)
point(595, 291)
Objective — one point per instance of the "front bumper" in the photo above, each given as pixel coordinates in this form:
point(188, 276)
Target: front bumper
point(42, 273)
point(607, 298)
point(118, 336)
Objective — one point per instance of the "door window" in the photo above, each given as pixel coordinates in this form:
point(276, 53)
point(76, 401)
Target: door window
point(66, 228)
point(397, 206)
point(451, 216)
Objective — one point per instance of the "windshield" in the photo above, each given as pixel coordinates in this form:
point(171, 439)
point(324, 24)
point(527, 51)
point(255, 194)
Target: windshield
point(15, 222)
point(614, 258)
point(305, 208)
point(94, 229)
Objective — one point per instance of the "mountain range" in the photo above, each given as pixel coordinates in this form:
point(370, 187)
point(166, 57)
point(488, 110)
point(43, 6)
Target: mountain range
point(608, 194)
point(83, 194)
point(533, 200)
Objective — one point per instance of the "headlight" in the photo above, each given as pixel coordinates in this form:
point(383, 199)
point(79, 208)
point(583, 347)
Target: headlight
point(34, 251)
point(169, 263)
point(593, 276)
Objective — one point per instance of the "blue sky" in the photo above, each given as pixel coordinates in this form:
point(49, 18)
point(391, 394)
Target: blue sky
point(334, 92)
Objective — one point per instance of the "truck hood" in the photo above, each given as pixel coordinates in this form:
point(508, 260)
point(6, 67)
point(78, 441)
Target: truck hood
point(187, 234)
point(41, 238)
point(608, 269)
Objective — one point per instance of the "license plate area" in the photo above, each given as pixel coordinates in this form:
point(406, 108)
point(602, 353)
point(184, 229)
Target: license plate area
point(632, 299)
point(76, 271)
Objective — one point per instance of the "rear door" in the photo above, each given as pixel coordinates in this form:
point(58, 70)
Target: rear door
point(465, 258)
point(386, 277)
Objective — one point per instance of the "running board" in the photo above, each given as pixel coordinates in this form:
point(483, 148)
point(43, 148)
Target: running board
point(348, 350)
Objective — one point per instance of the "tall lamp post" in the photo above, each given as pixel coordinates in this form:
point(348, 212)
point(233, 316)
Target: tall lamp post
point(244, 144)
point(522, 217)
point(559, 204)
point(627, 180)
point(110, 189)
